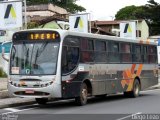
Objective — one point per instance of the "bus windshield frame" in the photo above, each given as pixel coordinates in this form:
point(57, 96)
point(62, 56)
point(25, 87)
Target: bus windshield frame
point(30, 58)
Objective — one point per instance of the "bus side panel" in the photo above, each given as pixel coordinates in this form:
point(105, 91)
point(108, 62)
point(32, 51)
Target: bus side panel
point(71, 84)
point(149, 78)
point(109, 81)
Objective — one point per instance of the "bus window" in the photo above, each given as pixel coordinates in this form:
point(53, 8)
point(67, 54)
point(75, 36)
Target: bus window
point(100, 51)
point(70, 57)
point(100, 46)
point(152, 54)
point(87, 53)
point(90, 45)
point(84, 44)
point(152, 50)
point(126, 57)
point(145, 56)
point(114, 55)
point(137, 57)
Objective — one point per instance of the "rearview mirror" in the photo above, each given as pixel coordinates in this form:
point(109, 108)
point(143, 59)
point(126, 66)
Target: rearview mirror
point(3, 55)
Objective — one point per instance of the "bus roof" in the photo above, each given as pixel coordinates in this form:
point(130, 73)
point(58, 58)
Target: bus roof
point(91, 35)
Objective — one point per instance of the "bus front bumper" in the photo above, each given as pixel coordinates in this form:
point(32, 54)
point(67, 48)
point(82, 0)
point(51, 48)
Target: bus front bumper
point(51, 91)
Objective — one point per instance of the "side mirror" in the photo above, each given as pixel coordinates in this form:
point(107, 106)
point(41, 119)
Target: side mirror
point(3, 55)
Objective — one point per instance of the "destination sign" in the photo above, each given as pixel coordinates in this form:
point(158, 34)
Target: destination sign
point(36, 36)
point(43, 36)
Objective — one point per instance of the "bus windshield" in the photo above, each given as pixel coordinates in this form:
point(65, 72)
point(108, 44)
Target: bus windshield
point(34, 58)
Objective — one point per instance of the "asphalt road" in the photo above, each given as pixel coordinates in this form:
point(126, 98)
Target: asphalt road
point(115, 107)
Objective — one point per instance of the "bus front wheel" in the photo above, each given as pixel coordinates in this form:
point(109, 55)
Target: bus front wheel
point(82, 98)
point(41, 101)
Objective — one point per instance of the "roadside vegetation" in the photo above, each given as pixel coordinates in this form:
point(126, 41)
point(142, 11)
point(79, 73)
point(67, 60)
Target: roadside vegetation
point(2, 73)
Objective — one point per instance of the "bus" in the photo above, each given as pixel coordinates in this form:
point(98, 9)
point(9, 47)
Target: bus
point(58, 64)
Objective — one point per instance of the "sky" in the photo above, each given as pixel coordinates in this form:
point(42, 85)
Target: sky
point(106, 9)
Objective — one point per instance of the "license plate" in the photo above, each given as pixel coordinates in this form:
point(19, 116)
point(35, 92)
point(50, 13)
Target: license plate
point(29, 91)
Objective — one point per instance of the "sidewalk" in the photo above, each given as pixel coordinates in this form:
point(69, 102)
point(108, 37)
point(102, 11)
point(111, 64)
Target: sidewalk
point(5, 101)
point(13, 102)
point(3, 84)
point(3, 88)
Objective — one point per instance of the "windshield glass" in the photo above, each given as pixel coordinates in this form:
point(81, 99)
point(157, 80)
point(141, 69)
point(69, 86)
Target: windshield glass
point(34, 58)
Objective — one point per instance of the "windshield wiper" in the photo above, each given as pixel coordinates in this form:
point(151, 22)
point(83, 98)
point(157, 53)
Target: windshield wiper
point(41, 49)
point(13, 52)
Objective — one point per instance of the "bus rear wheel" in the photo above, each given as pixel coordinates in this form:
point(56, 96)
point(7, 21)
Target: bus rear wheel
point(82, 98)
point(41, 101)
point(135, 91)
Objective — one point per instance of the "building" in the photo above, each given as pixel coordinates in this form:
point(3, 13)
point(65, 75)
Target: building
point(40, 12)
point(142, 31)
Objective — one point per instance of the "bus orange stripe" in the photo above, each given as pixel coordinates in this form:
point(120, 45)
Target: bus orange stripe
point(139, 70)
point(133, 67)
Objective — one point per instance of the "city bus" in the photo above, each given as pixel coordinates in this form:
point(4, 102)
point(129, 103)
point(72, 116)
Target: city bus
point(58, 64)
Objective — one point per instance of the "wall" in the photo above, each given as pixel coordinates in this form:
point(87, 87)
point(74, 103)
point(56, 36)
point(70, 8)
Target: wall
point(144, 30)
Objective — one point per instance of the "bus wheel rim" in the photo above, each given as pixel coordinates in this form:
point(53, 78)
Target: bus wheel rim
point(84, 94)
point(136, 89)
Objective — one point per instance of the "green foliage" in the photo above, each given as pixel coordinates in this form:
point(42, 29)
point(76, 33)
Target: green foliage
point(126, 13)
point(31, 25)
point(149, 12)
point(2, 73)
point(69, 5)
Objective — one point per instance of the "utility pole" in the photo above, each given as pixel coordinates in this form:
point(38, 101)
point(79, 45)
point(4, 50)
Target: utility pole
point(25, 14)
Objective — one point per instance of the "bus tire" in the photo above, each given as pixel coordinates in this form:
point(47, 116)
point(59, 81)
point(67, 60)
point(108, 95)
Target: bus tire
point(82, 98)
point(41, 101)
point(136, 89)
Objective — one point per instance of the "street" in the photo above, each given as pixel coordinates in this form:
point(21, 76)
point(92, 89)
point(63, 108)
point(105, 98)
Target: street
point(114, 107)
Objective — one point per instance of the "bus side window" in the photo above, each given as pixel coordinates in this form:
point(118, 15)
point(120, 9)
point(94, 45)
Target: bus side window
point(145, 56)
point(87, 50)
point(126, 56)
point(137, 57)
point(114, 55)
point(70, 57)
point(152, 54)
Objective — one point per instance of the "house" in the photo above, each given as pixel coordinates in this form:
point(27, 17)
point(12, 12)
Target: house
point(47, 16)
point(45, 10)
point(142, 31)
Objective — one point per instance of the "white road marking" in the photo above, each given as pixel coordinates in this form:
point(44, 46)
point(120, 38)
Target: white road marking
point(151, 90)
point(13, 110)
point(129, 116)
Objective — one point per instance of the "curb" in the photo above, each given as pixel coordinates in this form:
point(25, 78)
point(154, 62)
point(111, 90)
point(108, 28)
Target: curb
point(4, 94)
point(155, 86)
point(18, 103)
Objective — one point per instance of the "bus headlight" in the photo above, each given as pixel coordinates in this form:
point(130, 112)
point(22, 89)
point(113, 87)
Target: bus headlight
point(47, 84)
point(10, 81)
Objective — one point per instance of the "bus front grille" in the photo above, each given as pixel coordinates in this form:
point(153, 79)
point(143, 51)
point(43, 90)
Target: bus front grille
point(36, 93)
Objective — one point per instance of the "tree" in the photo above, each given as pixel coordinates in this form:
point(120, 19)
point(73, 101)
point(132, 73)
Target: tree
point(126, 13)
point(69, 5)
point(149, 12)
point(153, 9)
